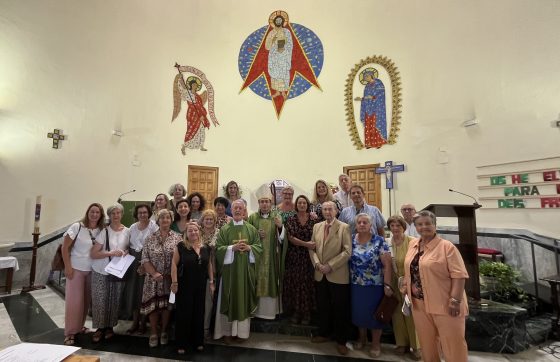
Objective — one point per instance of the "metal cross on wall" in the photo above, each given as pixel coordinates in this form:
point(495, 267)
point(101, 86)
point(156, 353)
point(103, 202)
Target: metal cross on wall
point(388, 170)
point(56, 136)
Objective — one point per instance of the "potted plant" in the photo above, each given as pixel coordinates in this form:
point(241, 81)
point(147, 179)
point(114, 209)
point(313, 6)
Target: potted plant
point(501, 280)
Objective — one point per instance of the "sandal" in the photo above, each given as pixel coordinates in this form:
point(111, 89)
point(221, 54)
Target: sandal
point(375, 353)
point(163, 339)
point(69, 340)
point(109, 333)
point(97, 336)
point(85, 330)
point(153, 341)
point(416, 354)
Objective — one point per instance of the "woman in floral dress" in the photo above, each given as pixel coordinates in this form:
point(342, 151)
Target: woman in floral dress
point(156, 259)
point(370, 279)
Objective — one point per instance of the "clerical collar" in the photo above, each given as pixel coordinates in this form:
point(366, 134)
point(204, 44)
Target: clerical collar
point(237, 223)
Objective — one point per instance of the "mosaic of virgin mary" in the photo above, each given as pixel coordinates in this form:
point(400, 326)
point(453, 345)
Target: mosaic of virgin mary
point(372, 109)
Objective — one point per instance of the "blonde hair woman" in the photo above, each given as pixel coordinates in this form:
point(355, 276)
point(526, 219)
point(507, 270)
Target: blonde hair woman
point(190, 270)
point(321, 194)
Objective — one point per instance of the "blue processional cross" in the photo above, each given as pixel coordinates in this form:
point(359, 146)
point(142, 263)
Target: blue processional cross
point(388, 170)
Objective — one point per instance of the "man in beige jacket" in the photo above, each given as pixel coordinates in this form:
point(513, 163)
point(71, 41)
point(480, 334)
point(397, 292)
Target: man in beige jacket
point(330, 259)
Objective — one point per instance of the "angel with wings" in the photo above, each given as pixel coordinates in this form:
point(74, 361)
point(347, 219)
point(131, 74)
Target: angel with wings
point(197, 116)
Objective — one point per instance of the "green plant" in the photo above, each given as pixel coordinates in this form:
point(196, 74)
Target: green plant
point(507, 278)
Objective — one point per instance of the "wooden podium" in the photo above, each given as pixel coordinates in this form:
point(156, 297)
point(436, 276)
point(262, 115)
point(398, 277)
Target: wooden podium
point(468, 243)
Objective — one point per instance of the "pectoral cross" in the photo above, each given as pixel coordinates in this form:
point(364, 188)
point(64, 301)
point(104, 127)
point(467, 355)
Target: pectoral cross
point(239, 240)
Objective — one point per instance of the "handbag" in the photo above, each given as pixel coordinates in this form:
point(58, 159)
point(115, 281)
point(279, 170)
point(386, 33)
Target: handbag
point(57, 263)
point(384, 311)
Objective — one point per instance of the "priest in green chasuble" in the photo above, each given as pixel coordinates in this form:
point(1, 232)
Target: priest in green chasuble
point(271, 233)
point(238, 251)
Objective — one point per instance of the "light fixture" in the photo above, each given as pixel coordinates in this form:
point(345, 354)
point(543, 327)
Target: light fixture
point(470, 122)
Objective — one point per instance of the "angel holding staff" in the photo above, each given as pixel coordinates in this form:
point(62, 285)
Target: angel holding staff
point(197, 116)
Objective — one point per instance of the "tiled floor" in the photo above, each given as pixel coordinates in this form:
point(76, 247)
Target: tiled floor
point(39, 317)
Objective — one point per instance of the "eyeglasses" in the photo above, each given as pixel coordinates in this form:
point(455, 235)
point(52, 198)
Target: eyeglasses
point(407, 209)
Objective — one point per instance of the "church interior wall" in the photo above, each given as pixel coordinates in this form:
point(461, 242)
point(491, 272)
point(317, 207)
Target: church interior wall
point(89, 68)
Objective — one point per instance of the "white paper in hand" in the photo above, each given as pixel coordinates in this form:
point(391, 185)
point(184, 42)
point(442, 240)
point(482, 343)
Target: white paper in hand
point(119, 266)
point(172, 298)
point(406, 306)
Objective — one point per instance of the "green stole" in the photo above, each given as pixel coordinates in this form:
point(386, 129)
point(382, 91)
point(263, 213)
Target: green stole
point(239, 299)
point(285, 243)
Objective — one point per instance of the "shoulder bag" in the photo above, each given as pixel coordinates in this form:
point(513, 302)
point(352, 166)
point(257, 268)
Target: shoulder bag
point(57, 263)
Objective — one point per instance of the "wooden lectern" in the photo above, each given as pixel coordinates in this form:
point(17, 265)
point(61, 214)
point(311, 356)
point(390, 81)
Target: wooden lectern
point(468, 243)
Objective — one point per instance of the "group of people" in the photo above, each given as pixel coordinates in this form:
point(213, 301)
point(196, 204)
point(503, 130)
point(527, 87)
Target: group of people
point(326, 254)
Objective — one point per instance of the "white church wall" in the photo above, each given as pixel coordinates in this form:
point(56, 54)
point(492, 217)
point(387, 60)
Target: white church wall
point(91, 67)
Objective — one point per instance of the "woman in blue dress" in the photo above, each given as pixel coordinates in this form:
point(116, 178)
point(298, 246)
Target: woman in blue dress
point(370, 279)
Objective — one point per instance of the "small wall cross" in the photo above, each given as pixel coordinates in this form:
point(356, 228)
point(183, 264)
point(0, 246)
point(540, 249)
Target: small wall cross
point(56, 136)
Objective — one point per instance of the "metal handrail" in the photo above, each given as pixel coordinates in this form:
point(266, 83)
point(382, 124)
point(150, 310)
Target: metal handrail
point(41, 244)
point(554, 248)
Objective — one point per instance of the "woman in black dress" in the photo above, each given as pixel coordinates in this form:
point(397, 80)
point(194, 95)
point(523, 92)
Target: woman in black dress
point(189, 272)
point(299, 289)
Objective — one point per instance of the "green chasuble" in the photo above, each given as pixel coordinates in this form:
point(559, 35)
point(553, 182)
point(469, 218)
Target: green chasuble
point(268, 268)
point(285, 243)
point(239, 299)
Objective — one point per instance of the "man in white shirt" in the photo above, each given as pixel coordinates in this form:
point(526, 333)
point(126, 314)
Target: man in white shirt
point(343, 195)
point(408, 211)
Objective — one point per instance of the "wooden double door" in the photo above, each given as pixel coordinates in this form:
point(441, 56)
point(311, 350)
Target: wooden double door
point(203, 179)
point(365, 176)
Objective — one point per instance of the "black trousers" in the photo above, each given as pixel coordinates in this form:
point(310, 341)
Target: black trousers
point(333, 304)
